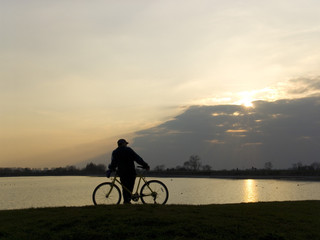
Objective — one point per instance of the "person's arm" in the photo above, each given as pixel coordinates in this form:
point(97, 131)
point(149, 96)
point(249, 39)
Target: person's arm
point(139, 160)
point(112, 166)
point(114, 163)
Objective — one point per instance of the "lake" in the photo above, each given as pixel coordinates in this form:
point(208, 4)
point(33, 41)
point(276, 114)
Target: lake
point(34, 192)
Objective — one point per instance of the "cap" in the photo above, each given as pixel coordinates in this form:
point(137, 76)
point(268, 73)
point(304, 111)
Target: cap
point(122, 141)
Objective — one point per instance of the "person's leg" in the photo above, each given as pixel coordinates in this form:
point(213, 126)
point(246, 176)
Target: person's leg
point(128, 182)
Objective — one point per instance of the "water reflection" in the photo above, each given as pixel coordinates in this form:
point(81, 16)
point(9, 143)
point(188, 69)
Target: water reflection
point(250, 191)
point(26, 192)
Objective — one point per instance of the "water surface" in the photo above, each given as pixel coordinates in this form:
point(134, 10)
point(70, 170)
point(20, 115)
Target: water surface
point(27, 192)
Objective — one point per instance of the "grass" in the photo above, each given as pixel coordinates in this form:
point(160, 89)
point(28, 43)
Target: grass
point(262, 221)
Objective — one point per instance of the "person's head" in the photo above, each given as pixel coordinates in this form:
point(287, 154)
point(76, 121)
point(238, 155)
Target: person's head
point(122, 142)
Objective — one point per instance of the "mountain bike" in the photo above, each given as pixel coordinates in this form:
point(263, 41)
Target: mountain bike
point(151, 192)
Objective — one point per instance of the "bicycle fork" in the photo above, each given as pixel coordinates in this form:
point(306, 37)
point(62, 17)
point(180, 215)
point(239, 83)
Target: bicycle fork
point(112, 185)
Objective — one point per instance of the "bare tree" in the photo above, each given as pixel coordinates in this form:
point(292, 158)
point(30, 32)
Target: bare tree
point(193, 164)
point(206, 168)
point(268, 165)
point(297, 165)
point(159, 168)
point(315, 165)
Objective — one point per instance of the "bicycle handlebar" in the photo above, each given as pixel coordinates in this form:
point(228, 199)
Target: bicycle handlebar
point(148, 168)
point(109, 171)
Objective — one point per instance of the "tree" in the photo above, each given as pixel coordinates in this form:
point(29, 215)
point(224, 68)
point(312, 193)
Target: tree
point(92, 168)
point(159, 168)
point(193, 164)
point(186, 165)
point(206, 168)
point(316, 165)
point(268, 165)
point(297, 165)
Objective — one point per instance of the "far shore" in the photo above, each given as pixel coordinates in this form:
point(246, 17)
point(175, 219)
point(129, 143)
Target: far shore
point(275, 177)
point(186, 175)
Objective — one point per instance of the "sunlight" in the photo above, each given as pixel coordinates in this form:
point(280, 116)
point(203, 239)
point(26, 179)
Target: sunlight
point(246, 99)
point(247, 103)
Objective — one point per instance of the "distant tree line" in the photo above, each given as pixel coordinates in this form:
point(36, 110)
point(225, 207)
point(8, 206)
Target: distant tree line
point(194, 167)
point(191, 167)
point(90, 169)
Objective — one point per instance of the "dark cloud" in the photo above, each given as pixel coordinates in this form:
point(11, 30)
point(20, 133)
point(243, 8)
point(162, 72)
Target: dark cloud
point(231, 136)
point(304, 85)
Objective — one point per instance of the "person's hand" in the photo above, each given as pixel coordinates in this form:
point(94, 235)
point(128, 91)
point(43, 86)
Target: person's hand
point(108, 173)
point(147, 168)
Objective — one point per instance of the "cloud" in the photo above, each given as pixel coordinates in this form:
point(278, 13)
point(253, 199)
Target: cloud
point(299, 87)
point(283, 132)
point(236, 131)
point(305, 86)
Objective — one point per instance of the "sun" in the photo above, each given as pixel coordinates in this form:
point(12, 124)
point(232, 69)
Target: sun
point(246, 99)
point(247, 103)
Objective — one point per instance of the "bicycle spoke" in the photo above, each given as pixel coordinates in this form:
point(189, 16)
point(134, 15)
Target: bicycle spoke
point(106, 193)
point(154, 192)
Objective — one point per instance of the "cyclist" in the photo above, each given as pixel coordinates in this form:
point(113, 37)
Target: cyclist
point(122, 159)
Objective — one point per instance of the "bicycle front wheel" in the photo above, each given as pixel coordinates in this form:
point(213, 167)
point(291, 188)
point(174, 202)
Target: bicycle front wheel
point(154, 192)
point(106, 193)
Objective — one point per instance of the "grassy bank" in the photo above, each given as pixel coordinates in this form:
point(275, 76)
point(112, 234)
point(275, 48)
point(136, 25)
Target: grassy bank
point(272, 221)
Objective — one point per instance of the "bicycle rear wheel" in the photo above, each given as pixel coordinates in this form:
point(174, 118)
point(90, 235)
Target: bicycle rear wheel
point(106, 193)
point(154, 192)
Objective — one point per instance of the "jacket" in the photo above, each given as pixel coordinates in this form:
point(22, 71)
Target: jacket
point(123, 159)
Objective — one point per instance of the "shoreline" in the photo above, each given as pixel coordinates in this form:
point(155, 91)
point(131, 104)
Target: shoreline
point(184, 175)
point(240, 177)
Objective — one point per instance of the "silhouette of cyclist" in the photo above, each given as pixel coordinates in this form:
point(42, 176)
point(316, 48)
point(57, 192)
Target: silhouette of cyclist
point(123, 159)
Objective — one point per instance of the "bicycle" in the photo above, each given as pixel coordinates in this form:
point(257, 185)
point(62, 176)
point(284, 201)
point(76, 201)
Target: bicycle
point(151, 192)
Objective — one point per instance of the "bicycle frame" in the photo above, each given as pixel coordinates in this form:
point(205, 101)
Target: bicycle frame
point(115, 179)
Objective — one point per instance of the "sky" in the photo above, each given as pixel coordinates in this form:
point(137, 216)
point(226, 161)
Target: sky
point(77, 75)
